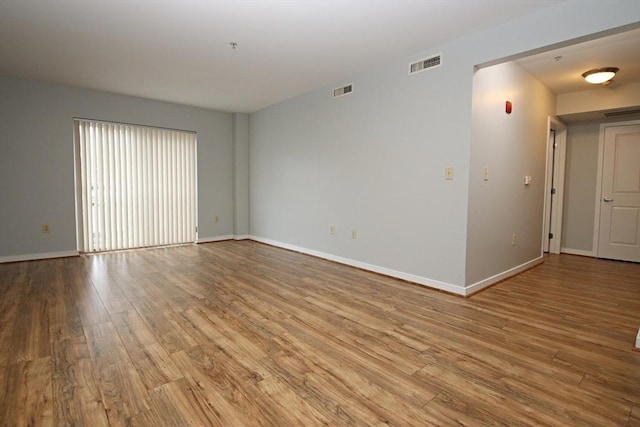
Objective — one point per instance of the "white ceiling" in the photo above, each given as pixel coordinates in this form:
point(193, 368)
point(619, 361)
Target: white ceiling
point(179, 51)
point(561, 69)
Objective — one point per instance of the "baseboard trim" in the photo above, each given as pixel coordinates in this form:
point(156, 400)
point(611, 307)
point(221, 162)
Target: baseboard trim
point(430, 283)
point(42, 255)
point(638, 340)
point(478, 286)
point(424, 281)
point(214, 239)
point(577, 252)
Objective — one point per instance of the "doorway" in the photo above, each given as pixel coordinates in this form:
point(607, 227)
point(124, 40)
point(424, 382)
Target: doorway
point(135, 186)
point(617, 223)
point(554, 185)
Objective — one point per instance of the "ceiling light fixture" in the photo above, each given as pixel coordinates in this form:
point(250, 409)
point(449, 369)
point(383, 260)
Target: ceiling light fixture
point(600, 75)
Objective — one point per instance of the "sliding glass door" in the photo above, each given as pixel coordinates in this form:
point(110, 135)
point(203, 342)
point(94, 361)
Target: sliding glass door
point(136, 186)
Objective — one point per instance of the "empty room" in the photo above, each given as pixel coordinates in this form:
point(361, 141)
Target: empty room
point(319, 212)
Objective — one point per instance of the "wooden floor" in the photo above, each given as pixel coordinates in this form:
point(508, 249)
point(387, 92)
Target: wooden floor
point(243, 334)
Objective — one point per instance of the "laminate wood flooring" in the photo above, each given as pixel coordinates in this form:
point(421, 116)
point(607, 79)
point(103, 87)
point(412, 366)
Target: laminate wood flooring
point(244, 334)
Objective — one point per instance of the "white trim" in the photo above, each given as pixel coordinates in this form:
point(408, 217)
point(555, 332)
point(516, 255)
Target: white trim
point(459, 290)
point(580, 252)
point(596, 216)
point(561, 140)
point(546, 215)
point(215, 239)
point(638, 340)
point(553, 220)
point(596, 220)
point(472, 289)
point(42, 255)
point(77, 180)
point(430, 283)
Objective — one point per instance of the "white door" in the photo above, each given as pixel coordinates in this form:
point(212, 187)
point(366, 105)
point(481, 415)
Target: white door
point(619, 231)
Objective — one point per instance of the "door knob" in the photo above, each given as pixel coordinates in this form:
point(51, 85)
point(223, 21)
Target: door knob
point(607, 199)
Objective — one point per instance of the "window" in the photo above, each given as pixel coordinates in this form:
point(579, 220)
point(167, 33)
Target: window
point(136, 186)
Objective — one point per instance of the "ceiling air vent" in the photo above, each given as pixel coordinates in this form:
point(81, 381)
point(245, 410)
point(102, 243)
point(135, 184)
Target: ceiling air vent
point(344, 90)
point(621, 113)
point(425, 64)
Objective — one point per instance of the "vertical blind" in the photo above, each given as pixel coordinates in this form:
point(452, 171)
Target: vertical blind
point(138, 185)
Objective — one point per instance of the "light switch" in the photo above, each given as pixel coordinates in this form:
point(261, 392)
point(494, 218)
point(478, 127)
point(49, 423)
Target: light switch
point(448, 173)
point(527, 180)
point(486, 173)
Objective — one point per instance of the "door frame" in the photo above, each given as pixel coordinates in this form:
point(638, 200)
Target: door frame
point(555, 170)
point(596, 220)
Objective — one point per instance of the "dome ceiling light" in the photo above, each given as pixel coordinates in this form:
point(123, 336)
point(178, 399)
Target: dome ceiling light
point(600, 75)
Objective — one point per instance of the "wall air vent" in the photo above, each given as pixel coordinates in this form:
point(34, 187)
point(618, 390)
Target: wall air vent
point(622, 113)
point(344, 90)
point(425, 64)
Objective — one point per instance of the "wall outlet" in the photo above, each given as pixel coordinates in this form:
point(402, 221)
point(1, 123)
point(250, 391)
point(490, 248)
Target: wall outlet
point(354, 234)
point(332, 230)
point(513, 239)
point(46, 228)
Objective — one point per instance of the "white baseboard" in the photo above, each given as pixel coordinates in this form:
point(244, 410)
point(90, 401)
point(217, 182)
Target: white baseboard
point(42, 255)
point(424, 281)
point(580, 252)
point(374, 268)
point(472, 289)
point(638, 340)
point(214, 239)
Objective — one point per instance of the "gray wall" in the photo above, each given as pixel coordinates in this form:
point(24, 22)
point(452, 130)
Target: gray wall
point(374, 160)
point(37, 160)
point(511, 146)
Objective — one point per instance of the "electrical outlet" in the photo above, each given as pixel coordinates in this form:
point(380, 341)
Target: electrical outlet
point(332, 230)
point(513, 239)
point(354, 234)
point(46, 228)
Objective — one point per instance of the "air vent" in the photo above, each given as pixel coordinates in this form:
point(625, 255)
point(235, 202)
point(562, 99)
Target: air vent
point(621, 113)
point(344, 90)
point(425, 64)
